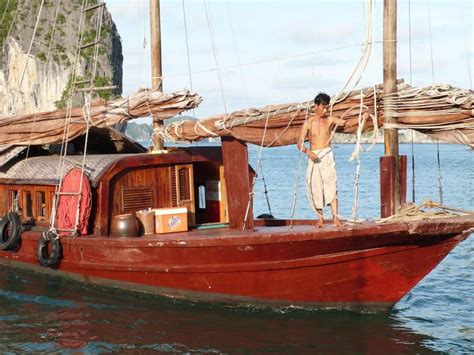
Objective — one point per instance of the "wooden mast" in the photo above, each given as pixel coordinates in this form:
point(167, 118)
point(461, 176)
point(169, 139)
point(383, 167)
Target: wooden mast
point(156, 72)
point(393, 182)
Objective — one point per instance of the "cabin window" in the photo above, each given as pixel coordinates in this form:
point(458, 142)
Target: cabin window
point(184, 186)
point(11, 198)
point(27, 204)
point(173, 189)
point(40, 205)
point(136, 198)
point(182, 189)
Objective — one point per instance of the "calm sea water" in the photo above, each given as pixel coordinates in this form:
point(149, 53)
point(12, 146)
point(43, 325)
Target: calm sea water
point(40, 314)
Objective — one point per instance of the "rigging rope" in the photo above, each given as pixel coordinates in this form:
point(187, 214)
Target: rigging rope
point(86, 113)
point(261, 147)
point(468, 56)
point(417, 212)
point(47, 60)
point(65, 138)
point(11, 25)
point(431, 42)
point(187, 47)
point(440, 178)
point(11, 109)
point(297, 183)
point(53, 31)
point(268, 60)
point(244, 87)
point(211, 34)
point(31, 45)
point(260, 151)
point(187, 52)
point(412, 131)
point(4, 12)
point(355, 207)
point(139, 67)
point(363, 60)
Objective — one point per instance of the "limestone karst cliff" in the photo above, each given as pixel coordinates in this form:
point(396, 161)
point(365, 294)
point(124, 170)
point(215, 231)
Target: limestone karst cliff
point(47, 74)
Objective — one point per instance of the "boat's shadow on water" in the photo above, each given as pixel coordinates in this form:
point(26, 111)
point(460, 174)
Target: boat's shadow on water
point(53, 314)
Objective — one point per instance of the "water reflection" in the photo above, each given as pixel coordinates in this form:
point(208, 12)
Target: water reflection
point(52, 314)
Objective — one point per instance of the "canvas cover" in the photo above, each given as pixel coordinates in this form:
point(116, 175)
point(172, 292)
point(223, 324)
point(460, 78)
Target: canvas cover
point(48, 127)
point(440, 111)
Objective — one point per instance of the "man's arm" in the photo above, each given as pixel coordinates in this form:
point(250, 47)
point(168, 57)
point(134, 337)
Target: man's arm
point(300, 144)
point(337, 121)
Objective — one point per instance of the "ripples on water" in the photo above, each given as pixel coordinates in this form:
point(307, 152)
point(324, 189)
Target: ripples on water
point(40, 314)
point(72, 316)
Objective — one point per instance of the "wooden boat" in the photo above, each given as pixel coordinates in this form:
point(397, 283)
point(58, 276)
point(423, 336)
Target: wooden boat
point(226, 256)
point(366, 265)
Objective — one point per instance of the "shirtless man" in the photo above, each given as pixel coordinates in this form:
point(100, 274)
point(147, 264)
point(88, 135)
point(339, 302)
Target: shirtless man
point(321, 179)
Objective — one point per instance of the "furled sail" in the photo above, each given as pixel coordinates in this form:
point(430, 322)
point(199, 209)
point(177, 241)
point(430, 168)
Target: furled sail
point(440, 111)
point(48, 127)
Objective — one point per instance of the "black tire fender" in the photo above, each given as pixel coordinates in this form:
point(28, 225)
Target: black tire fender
point(45, 257)
point(10, 231)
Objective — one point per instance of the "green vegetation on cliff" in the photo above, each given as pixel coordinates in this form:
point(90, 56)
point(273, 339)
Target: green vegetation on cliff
point(6, 17)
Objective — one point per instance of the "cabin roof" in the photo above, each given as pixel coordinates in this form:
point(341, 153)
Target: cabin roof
point(43, 170)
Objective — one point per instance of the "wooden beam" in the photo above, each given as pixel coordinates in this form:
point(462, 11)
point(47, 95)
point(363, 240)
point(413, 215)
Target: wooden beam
point(390, 86)
point(156, 67)
point(387, 184)
point(236, 174)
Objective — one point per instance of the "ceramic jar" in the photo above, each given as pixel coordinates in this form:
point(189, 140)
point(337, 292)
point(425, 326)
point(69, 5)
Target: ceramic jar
point(124, 225)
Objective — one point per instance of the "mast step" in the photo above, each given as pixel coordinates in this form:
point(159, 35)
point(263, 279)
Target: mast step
point(93, 7)
point(100, 88)
point(78, 121)
point(82, 82)
point(68, 193)
point(84, 46)
point(71, 161)
point(65, 230)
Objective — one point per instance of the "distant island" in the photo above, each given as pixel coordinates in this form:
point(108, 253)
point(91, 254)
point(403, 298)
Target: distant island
point(404, 136)
point(142, 132)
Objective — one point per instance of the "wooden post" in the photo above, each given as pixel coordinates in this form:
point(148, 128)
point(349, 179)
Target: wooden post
point(388, 183)
point(236, 174)
point(156, 72)
point(390, 195)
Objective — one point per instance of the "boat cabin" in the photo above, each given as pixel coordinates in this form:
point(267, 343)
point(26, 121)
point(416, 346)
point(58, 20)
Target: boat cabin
point(123, 183)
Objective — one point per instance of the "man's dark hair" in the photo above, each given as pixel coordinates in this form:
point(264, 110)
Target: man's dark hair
point(322, 98)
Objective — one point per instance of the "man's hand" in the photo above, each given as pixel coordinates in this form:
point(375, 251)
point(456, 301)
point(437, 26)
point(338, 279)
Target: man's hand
point(312, 155)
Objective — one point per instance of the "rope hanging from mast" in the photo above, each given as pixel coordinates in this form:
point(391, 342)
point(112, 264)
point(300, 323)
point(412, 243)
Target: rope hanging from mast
point(412, 131)
point(214, 51)
point(31, 45)
point(440, 178)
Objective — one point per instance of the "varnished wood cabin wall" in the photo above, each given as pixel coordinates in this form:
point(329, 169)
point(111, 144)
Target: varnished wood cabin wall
point(35, 201)
point(149, 187)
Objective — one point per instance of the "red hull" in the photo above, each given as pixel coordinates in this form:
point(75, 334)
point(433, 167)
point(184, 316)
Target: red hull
point(359, 266)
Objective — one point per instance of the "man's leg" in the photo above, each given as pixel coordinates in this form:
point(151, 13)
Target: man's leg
point(320, 221)
point(335, 212)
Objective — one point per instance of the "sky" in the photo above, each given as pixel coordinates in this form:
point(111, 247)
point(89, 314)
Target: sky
point(275, 51)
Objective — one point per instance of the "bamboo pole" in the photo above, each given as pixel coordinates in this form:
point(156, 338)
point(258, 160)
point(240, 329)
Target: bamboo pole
point(156, 68)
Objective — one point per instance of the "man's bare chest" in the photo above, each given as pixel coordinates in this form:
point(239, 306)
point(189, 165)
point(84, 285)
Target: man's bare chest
point(319, 128)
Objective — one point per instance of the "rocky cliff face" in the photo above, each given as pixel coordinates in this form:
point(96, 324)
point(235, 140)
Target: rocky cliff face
point(47, 72)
